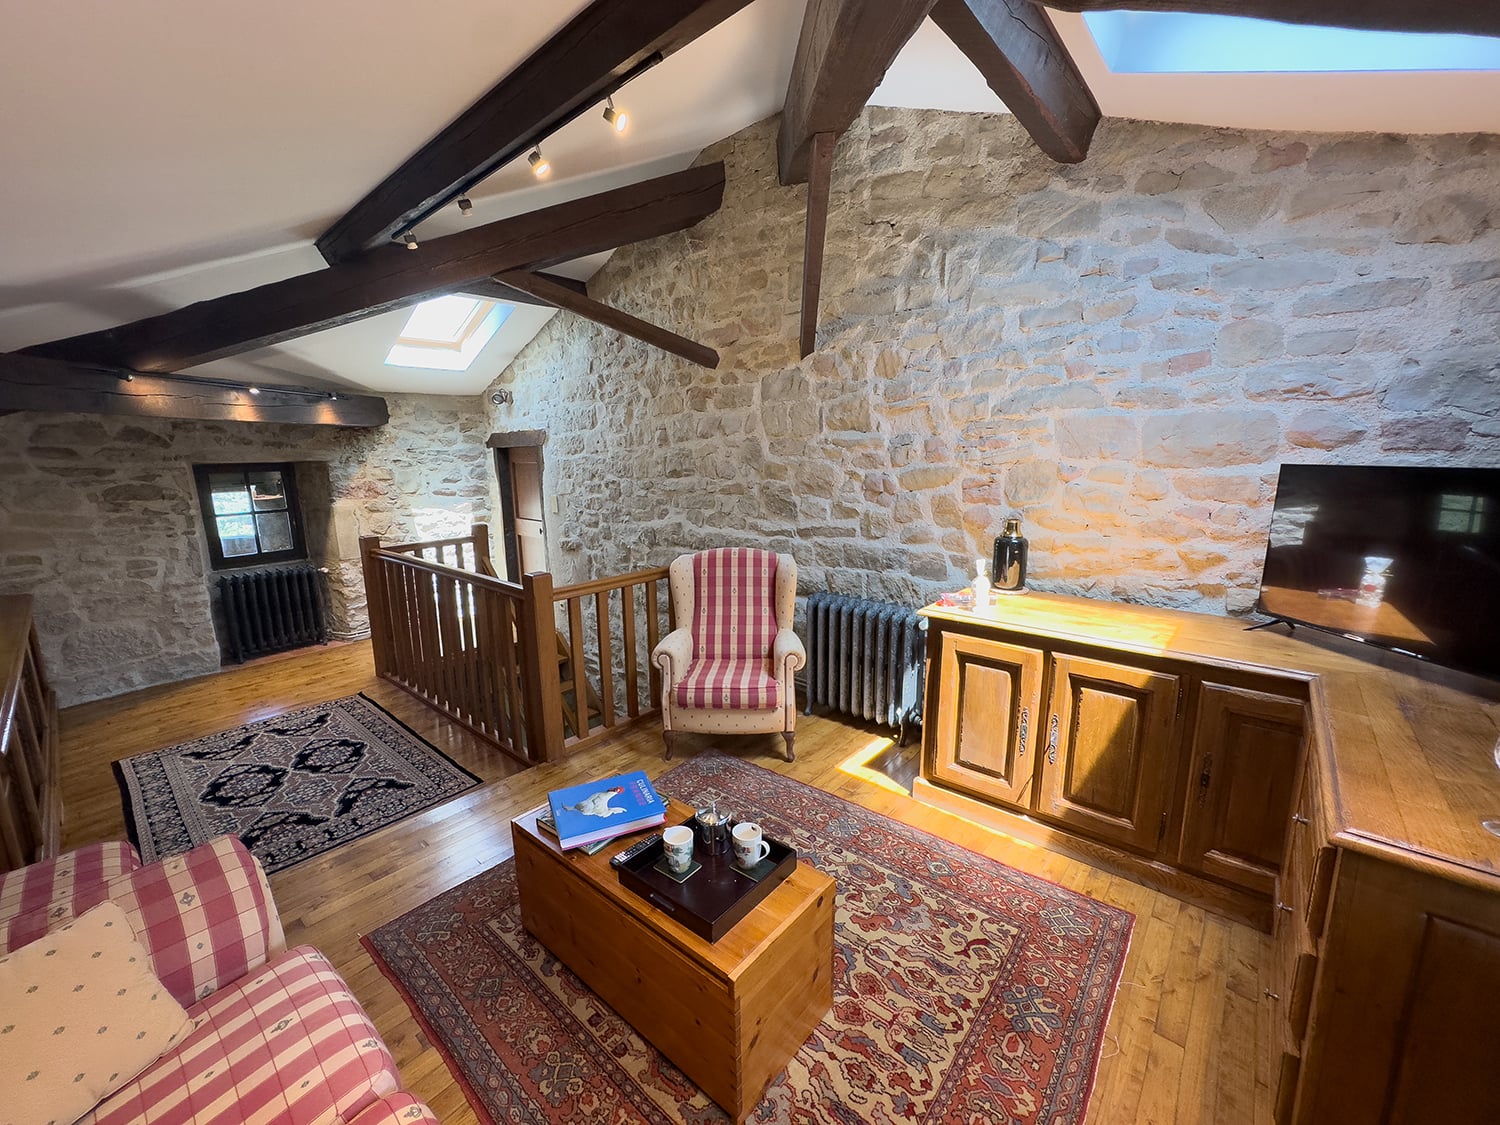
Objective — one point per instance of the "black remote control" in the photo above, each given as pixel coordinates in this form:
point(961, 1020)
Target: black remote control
point(620, 859)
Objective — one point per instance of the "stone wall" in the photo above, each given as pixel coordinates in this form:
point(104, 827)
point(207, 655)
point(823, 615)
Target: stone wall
point(99, 520)
point(1122, 352)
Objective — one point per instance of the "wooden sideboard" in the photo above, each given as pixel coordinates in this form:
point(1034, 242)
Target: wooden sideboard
point(30, 798)
point(1326, 791)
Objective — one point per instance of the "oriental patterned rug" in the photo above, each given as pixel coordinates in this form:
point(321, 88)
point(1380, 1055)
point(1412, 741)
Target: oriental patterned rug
point(290, 787)
point(964, 991)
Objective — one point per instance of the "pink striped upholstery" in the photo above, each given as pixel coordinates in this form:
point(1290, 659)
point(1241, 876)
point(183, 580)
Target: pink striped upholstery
point(50, 888)
point(734, 603)
point(288, 1046)
point(731, 684)
point(206, 917)
point(396, 1109)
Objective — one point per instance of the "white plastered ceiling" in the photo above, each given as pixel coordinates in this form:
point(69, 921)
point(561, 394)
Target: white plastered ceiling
point(162, 152)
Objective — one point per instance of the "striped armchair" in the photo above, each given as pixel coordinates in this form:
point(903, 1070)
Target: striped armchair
point(728, 666)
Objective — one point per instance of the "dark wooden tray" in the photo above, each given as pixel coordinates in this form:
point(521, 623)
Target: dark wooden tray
point(714, 897)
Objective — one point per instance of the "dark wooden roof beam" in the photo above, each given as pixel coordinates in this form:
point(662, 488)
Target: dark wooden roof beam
point(1016, 48)
point(844, 51)
point(547, 289)
point(394, 277)
point(600, 49)
point(51, 385)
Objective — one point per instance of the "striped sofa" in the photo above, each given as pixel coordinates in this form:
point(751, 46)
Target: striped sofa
point(276, 1036)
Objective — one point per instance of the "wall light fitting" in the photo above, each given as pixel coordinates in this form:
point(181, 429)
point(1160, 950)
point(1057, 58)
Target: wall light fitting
point(410, 240)
point(539, 166)
point(465, 206)
point(618, 118)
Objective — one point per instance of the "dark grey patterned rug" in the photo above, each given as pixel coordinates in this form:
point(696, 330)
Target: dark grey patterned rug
point(290, 787)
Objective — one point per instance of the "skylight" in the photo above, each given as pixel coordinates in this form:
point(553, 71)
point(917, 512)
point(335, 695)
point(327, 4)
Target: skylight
point(447, 333)
point(1188, 43)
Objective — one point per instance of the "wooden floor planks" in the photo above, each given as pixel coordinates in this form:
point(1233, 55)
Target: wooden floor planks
point(1187, 1038)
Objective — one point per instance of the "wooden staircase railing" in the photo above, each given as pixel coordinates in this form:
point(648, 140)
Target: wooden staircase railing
point(490, 654)
point(30, 796)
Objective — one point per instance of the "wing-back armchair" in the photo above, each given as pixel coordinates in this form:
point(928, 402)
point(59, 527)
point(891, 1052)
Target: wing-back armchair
point(728, 665)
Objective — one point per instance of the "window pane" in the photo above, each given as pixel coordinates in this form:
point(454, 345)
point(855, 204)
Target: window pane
point(275, 532)
point(237, 536)
point(228, 493)
point(267, 492)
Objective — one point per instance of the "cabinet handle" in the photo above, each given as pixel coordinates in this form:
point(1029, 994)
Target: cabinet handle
point(1205, 777)
point(1272, 995)
point(1025, 726)
point(1298, 818)
point(1284, 906)
point(1052, 741)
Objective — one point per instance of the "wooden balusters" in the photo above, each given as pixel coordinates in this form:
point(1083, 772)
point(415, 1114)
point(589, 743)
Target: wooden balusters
point(489, 653)
point(30, 799)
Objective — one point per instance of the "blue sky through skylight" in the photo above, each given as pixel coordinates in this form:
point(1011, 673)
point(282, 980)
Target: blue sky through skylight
point(1188, 43)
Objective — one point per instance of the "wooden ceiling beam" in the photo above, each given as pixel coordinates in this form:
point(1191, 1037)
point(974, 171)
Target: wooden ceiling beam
point(1016, 48)
point(546, 288)
point(815, 233)
point(493, 289)
point(50, 385)
point(603, 46)
point(844, 51)
point(1462, 17)
point(393, 276)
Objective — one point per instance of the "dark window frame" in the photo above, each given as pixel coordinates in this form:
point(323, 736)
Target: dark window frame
point(218, 559)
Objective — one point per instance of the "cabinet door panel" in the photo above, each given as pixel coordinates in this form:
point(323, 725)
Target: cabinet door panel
point(1109, 749)
point(988, 717)
point(1246, 748)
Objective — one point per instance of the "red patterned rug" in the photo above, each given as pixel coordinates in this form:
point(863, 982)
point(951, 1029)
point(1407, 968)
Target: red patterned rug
point(964, 991)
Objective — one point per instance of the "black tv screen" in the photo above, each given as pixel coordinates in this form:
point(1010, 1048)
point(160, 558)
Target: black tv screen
point(1404, 558)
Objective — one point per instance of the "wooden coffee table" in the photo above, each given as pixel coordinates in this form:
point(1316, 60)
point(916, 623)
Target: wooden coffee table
point(728, 1013)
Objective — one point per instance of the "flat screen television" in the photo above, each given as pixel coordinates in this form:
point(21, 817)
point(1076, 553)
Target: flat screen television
point(1404, 558)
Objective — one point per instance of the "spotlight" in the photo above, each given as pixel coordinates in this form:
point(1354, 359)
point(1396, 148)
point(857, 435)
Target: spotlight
point(333, 396)
point(253, 390)
point(465, 206)
point(539, 166)
point(410, 240)
point(618, 118)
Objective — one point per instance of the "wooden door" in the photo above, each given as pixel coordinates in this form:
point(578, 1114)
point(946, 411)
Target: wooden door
point(1246, 748)
point(1109, 748)
point(988, 716)
point(522, 530)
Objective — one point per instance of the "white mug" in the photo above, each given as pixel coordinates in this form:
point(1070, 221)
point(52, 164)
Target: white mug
point(677, 843)
point(750, 847)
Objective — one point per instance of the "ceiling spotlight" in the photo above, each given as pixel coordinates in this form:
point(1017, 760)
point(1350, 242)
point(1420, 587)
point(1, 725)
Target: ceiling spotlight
point(539, 165)
point(253, 390)
point(618, 118)
point(410, 240)
point(465, 206)
point(333, 396)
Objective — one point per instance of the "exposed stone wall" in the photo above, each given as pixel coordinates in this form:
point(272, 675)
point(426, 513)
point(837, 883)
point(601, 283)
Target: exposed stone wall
point(99, 520)
point(1122, 352)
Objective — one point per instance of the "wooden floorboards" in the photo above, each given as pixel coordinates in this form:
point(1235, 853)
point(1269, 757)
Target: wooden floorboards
point(1187, 1041)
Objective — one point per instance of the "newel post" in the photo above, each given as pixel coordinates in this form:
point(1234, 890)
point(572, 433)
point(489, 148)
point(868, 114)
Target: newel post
point(377, 604)
point(544, 721)
point(480, 534)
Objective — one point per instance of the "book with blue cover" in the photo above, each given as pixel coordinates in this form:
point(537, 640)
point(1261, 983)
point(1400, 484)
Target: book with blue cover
point(604, 809)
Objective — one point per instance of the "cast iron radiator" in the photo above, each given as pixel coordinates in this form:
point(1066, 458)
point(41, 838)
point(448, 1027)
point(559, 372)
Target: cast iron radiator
point(866, 658)
point(272, 610)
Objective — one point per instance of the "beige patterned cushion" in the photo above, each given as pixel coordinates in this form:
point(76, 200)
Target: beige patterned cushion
point(81, 1014)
